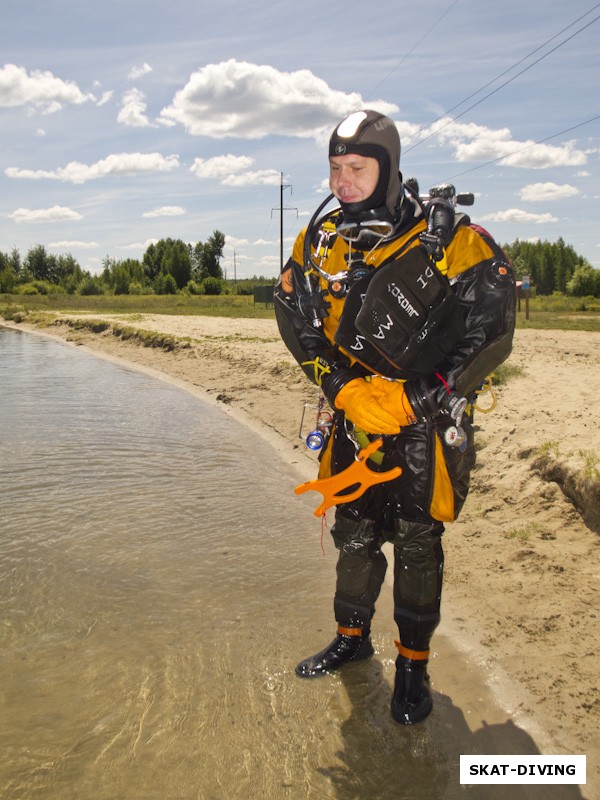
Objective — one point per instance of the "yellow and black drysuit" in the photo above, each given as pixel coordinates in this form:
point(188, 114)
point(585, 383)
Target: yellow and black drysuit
point(409, 511)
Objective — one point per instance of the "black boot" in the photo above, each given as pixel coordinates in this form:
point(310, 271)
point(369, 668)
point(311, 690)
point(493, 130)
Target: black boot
point(341, 650)
point(412, 699)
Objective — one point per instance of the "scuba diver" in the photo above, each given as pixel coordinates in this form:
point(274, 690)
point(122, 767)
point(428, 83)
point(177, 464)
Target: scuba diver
point(398, 310)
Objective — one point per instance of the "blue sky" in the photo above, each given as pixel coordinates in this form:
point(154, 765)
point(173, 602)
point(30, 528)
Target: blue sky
point(124, 122)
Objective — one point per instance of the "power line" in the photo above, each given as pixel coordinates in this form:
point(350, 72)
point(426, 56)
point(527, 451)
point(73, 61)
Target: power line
point(526, 147)
point(502, 85)
point(509, 69)
point(412, 50)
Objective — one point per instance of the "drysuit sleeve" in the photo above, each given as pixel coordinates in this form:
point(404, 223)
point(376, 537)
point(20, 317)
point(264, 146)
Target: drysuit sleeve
point(483, 280)
point(300, 307)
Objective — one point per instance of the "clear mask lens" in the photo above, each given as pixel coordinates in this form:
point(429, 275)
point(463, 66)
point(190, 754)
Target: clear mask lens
point(356, 231)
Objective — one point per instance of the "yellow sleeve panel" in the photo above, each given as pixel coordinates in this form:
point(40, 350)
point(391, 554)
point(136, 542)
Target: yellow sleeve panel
point(466, 249)
point(298, 251)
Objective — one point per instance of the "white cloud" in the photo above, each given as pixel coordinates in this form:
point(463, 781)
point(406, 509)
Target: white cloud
point(220, 166)
point(249, 101)
point(79, 245)
point(39, 90)
point(105, 98)
point(261, 177)
point(516, 215)
point(165, 211)
point(132, 110)
point(139, 72)
point(271, 262)
point(116, 164)
point(234, 171)
point(53, 214)
point(534, 192)
point(143, 246)
point(473, 142)
point(231, 241)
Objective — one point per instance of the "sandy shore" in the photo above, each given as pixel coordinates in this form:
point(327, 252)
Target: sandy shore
point(523, 562)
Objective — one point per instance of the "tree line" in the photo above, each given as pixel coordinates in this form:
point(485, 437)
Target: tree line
point(167, 267)
point(554, 267)
point(170, 266)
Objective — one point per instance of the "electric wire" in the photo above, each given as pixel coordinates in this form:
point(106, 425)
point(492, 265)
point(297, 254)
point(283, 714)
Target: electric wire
point(412, 49)
point(509, 69)
point(526, 147)
point(502, 85)
point(489, 83)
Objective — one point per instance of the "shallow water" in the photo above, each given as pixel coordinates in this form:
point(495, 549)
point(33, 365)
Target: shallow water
point(158, 582)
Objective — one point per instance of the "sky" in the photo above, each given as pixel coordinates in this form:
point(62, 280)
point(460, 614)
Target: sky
point(124, 122)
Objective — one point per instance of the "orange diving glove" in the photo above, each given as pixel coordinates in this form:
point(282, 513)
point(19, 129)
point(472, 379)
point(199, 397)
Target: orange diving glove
point(375, 405)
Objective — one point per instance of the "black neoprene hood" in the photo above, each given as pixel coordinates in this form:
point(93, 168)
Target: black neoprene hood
point(371, 134)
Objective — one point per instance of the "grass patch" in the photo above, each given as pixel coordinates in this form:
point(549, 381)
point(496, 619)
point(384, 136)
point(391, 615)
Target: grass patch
point(548, 321)
point(591, 468)
point(505, 372)
point(93, 325)
point(206, 305)
point(557, 312)
point(13, 313)
point(548, 451)
point(524, 534)
point(162, 341)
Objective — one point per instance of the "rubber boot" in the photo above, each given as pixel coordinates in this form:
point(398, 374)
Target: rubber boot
point(341, 650)
point(411, 701)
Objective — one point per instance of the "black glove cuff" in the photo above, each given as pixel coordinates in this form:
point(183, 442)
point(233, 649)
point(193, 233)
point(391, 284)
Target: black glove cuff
point(421, 396)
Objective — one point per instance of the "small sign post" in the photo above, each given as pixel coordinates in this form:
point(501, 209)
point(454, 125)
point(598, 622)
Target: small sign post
point(525, 286)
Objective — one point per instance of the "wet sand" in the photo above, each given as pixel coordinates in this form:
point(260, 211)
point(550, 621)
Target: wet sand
point(515, 666)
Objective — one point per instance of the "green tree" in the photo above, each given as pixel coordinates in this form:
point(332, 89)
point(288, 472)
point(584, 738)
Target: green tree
point(118, 275)
point(90, 285)
point(165, 284)
point(177, 262)
point(197, 257)
point(152, 262)
point(168, 256)
point(212, 285)
point(550, 265)
point(121, 280)
point(208, 257)
point(7, 280)
point(585, 282)
point(15, 263)
point(37, 263)
point(561, 266)
point(67, 271)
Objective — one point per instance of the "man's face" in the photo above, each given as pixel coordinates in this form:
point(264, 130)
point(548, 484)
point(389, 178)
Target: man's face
point(353, 178)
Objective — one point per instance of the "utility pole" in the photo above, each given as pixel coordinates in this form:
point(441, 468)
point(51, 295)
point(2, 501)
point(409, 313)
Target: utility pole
point(281, 209)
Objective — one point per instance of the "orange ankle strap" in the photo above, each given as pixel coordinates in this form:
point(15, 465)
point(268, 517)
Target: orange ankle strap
point(414, 655)
point(349, 631)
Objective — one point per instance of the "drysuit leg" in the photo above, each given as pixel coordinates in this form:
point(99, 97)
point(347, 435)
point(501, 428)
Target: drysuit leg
point(361, 569)
point(418, 573)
